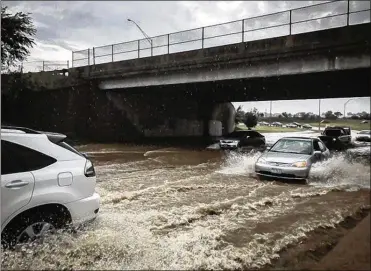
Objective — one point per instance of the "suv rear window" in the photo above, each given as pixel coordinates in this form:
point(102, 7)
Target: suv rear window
point(334, 132)
point(16, 158)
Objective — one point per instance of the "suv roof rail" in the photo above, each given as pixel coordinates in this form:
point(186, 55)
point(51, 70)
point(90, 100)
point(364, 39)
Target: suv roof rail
point(53, 137)
point(23, 129)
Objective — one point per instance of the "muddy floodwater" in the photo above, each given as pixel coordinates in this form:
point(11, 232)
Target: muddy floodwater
point(174, 208)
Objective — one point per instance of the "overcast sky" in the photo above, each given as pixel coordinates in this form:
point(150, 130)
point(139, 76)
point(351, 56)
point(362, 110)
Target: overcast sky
point(66, 26)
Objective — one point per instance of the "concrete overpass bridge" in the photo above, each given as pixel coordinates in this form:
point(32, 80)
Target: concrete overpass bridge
point(331, 63)
point(189, 94)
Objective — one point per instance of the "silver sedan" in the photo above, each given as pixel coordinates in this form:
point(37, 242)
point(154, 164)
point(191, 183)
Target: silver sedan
point(291, 158)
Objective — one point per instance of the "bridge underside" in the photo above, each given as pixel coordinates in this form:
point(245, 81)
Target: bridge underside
point(204, 109)
point(321, 85)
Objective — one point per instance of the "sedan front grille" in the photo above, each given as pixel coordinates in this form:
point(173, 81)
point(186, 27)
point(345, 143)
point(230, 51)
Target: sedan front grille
point(279, 164)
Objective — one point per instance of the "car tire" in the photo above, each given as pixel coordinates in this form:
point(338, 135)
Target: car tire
point(38, 224)
point(260, 177)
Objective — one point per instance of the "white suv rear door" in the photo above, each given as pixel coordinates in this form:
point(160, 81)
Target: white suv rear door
point(17, 181)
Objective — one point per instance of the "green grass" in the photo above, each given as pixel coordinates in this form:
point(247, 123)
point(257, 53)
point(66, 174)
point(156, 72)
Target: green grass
point(353, 124)
point(267, 129)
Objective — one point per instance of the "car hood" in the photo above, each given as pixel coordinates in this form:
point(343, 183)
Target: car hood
point(287, 158)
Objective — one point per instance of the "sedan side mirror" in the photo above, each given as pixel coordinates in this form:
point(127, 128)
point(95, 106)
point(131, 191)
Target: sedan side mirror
point(85, 155)
point(317, 154)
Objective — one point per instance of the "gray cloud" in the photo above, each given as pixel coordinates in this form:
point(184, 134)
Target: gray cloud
point(98, 23)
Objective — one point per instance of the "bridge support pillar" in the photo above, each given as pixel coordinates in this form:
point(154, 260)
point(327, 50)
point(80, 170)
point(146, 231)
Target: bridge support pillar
point(174, 116)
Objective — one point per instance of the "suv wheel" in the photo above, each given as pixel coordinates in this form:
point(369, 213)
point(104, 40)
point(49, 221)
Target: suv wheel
point(35, 231)
point(31, 228)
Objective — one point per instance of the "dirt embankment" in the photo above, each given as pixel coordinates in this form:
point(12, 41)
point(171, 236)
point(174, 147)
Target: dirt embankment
point(344, 247)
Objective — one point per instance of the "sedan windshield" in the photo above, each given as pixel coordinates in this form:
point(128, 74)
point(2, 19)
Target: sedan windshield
point(365, 132)
point(293, 146)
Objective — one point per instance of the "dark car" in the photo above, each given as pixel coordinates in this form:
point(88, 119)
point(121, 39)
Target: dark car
point(307, 126)
point(336, 137)
point(242, 139)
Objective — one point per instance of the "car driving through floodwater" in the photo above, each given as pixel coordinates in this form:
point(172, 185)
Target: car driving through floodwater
point(291, 158)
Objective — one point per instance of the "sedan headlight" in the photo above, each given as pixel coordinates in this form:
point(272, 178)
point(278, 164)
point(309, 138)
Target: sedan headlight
point(299, 164)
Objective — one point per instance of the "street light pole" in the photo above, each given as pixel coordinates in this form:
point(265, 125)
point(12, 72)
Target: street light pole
point(319, 115)
point(270, 112)
point(144, 34)
point(345, 104)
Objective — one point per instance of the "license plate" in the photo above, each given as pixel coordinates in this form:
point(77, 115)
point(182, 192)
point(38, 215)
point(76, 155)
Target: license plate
point(276, 170)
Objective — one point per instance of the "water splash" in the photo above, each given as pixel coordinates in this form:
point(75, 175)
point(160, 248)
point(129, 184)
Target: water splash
point(340, 172)
point(240, 164)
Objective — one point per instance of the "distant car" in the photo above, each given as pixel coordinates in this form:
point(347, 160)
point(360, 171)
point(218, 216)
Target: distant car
point(307, 126)
point(364, 135)
point(239, 139)
point(263, 123)
point(297, 124)
point(277, 124)
point(291, 125)
point(291, 158)
point(364, 121)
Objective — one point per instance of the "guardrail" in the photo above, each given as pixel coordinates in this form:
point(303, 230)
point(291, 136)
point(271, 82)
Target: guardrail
point(316, 17)
point(38, 66)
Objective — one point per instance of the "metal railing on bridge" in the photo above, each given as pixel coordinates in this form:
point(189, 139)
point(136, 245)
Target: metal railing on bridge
point(38, 66)
point(331, 14)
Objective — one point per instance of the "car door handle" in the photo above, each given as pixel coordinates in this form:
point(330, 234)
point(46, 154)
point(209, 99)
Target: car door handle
point(16, 184)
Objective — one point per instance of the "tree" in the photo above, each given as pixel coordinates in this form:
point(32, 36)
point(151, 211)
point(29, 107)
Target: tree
point(285, 115)
point(338, 114)
point(17, 33)
point(240, 115)
point(330, 115)
point(364, 115)
point(251, 119)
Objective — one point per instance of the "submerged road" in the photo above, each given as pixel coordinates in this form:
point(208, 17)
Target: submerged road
point(169, 208)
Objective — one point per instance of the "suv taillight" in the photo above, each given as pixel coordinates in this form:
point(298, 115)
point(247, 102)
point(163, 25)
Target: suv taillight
point(89, 169)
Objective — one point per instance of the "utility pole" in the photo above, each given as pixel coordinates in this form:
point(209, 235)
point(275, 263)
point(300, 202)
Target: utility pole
point(144, 34)
point(270, 114)
point(319, 115)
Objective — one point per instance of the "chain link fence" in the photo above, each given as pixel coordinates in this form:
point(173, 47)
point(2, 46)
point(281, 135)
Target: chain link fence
point(38, 66)
point(316, 17)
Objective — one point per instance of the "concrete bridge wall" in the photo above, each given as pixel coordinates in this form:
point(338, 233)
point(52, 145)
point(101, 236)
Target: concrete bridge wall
point(88, 113)
point(321, 51)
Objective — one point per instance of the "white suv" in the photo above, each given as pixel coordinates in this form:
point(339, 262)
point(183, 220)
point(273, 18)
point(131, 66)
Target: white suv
point(45, 185)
